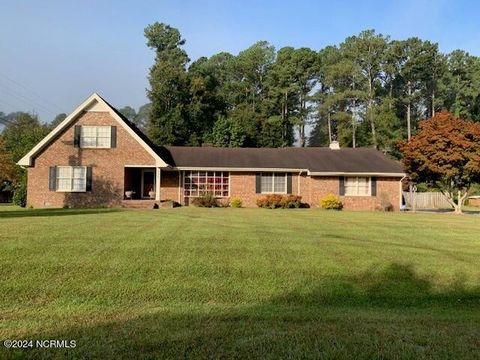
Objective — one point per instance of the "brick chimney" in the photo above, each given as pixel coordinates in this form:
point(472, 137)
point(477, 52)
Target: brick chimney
point(334, 145)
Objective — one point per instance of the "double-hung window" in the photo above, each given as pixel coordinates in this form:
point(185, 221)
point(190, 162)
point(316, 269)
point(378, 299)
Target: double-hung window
point(357, 186)
point(273, 183)
point(71, 178)
point(95, 136)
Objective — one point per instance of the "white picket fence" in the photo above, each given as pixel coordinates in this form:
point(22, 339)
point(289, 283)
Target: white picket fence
point(426, 200)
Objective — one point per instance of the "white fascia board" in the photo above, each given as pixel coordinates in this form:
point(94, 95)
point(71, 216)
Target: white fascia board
point(27, 159)
point(233, 169)
point(158, 161)
point(197, 168)
point(400, 175)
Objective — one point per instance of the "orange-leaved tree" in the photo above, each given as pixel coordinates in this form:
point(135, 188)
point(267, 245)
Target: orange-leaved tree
point(446, 154)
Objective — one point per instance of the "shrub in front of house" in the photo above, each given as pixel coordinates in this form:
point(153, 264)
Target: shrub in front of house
point(236, 202)
point(384, 204)
point(291, 201)
point(277, 201)
point(331, 202)
point(207, 200)
point(20, 193)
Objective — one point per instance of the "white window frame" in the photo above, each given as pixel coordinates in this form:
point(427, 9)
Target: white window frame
point(274, 175)
point(357, 185)
point(96, 146)
point(71, 178)
point(216, 175)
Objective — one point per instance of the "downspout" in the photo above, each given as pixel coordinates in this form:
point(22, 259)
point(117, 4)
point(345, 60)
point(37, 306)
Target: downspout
point(401, 191)
point(180, 186)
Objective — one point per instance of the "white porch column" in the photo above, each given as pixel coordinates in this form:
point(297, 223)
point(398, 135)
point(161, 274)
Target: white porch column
point(157, 184)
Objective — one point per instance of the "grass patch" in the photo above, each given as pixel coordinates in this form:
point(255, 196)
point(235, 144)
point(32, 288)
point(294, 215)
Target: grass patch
point(240, 283)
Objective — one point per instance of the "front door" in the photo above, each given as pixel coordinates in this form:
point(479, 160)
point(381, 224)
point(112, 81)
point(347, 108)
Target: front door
point(148, 182)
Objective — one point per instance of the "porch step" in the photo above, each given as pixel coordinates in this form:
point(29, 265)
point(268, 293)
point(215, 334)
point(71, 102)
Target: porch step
point(139, 204)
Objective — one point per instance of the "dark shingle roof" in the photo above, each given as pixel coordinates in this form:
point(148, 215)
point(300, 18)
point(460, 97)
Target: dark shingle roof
point(314, 159)
point(325, 160)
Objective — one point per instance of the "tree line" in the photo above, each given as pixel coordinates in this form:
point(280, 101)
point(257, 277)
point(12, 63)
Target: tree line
point(369, 90)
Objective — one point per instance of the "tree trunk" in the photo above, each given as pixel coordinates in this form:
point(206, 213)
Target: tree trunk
point(370, 113)
point(329, 122)
point(284, 116)
point(354, 125)
point(433, 103)
point(457, 206)
point(302, 122)
point(409, 128)
point(372, 124)
point(461, 200)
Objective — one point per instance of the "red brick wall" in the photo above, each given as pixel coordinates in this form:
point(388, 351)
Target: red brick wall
point(242, 185)
point(169, 189)
point(316, 187)
point(108, 166)
point(313, 189)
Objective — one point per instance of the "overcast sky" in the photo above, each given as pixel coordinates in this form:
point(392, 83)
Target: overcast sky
point(53, 54)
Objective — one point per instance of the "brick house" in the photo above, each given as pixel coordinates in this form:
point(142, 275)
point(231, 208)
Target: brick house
point(97, 157)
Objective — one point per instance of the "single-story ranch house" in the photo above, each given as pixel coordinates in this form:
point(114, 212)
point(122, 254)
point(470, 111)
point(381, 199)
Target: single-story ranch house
point(97, 157)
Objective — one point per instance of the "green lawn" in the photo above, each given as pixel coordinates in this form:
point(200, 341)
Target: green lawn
point(240, 283)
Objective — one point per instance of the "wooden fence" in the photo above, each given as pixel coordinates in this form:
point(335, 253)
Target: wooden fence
point(426, 200)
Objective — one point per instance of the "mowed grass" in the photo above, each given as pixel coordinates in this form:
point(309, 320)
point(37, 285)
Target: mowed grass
point(240, 283)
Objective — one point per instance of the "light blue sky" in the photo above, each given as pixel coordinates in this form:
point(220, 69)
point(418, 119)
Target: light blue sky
point(53, 54)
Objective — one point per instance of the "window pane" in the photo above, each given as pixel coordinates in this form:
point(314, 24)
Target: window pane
point(64, 171)
point(266, 182)
point(64, 184)
point(103, 131)
point(88, 142)
point(78, 185)
point(350, 186)
point(363, 186)
point(79, 172)
point(279, 183)
point(88, 131)
point(103, 142)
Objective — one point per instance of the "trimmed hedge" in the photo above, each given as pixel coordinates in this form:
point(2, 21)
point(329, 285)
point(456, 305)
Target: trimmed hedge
point(207, 200)
point(276, 201)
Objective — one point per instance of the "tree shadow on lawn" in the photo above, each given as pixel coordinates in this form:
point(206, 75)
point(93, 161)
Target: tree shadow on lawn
point(22, 213)
point(390, 313)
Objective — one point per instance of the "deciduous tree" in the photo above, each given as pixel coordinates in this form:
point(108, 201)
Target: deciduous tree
point(445, 152)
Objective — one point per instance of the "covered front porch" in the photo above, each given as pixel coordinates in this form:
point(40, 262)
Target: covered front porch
point(141, 183)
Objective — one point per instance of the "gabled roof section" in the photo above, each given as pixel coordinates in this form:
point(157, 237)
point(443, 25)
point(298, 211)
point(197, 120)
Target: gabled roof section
point(92, 102)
